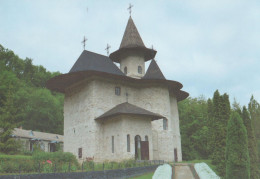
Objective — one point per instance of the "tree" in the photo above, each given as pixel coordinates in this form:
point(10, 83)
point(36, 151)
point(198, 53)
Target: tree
point(254, 110)
point(194, 130)
point(218, 127)
point(7, 123)
point(237, 156)
point(252, 145)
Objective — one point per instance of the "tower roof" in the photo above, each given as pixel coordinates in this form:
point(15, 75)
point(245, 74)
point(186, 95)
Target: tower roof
point(131, 36)
point(132, 42)
point(129, 109)
point(153, 71)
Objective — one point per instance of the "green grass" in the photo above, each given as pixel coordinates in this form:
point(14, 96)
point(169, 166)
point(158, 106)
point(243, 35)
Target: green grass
point(3, 156)
point(145, 176)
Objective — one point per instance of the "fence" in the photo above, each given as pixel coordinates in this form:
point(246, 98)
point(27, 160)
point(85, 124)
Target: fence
point(48, 167)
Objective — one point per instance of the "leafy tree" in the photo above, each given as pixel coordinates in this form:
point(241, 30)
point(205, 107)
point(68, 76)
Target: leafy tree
point(252, 145)
point(237, 156)
point(29, 96)
point(8, 121)
point(194, 130)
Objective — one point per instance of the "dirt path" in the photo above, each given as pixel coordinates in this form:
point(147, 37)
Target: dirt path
point(183, 172)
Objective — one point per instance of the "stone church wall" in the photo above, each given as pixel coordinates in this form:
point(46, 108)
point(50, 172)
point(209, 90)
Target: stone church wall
point(90, 99)
point(120, 127)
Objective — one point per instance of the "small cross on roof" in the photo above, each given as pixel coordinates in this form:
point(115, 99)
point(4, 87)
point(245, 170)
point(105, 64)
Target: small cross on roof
point(107, 49)
point(84, 42)
point(130, 8)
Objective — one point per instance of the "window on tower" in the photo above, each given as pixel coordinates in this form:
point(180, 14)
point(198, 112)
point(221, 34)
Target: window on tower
point(165, 124)
point(117, 91)
point(140, 70)
point(125, 70)
point(128, 142)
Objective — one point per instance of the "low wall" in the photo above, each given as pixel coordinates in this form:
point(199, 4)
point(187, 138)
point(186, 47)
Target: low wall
point(106, 174)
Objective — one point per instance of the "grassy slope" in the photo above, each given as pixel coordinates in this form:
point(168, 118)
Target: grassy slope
point(145, 176)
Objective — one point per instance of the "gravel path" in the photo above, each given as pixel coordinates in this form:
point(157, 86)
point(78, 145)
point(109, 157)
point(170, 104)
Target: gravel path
point(183, 172)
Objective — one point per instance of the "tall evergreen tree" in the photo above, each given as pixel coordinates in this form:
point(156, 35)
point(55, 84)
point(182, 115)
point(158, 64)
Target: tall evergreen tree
point(221, 113)
point(237, 157)
point(252, 145)
point(254, 110)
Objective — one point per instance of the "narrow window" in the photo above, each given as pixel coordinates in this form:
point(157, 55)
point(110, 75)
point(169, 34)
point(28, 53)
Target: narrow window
point(112, 144)
point(118, 91)
point(165, 124)
point(80, 152)
point(140, 71)
point(128, 143)
point(146, 138)
point(125, 70)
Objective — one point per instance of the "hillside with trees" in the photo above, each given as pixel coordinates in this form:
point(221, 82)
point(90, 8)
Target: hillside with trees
point(24, 99)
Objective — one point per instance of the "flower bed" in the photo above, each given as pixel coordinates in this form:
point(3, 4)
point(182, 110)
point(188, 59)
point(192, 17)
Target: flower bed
point(205, 172)
point(163, 172)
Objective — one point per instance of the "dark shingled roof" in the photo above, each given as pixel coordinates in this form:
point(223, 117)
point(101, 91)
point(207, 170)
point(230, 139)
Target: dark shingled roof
point(154, 72)
point(89, 61)
point(130, 109)
point(133, 42)
point(131, 36)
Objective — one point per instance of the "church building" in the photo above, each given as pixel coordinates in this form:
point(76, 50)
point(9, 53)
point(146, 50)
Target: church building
point(115, 114)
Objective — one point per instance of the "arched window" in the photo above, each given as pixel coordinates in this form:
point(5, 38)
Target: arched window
point(113, 149)
point(137, 147)
point(140, 70)
point(125, 70)
point(146, 138)
point(165, 124)
point(128, 142)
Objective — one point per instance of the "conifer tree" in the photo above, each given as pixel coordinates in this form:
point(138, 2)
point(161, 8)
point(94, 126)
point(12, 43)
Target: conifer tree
point(237, 157)
point(252, 145)
point(254, 110)
point(221, 113)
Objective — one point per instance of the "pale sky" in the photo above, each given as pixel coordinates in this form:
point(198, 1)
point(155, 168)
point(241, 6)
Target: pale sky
point(205, 45)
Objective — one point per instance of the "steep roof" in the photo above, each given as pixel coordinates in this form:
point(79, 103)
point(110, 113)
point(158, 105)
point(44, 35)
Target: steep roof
point(90, 61)
point(130, 109)
point(132, 42)
point(17, 132)
point(153, 71)
point(131, 36)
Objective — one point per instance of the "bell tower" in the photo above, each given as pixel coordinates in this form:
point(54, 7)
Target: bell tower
point(132, 53)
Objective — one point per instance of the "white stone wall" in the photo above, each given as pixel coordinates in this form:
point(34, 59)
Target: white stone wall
point(120, 127)
point(90, 99)
point(132, 63)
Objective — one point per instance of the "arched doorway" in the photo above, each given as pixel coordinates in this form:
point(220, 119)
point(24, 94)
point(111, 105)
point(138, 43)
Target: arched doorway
point(137, 147)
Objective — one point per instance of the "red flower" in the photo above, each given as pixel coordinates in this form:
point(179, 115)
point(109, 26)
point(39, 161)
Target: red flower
point(49, 161)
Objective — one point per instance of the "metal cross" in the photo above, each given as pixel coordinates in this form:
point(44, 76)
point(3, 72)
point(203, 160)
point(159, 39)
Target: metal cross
point(130, 8)
point(107, 49)
point(152, 48)
point(84, 42)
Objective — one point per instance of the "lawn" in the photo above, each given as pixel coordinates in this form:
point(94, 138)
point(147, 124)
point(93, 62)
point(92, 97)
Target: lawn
point(145, 176)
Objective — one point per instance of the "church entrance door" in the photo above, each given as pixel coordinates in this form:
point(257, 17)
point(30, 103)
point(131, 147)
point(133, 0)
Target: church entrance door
point(141, 149)
point(175, 155)
point(144, 150)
